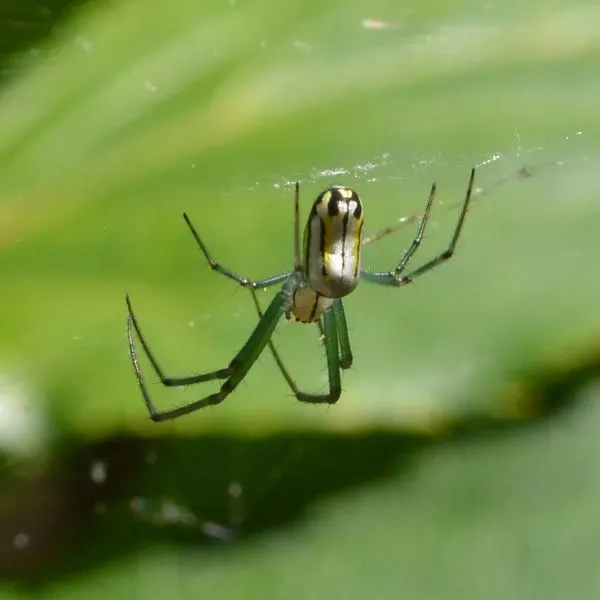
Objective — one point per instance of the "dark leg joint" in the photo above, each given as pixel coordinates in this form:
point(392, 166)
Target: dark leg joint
point(334, 394)
point(226, 389)
point(402, 281)
point(217, 398)
point(346, 363)
point(158, 417)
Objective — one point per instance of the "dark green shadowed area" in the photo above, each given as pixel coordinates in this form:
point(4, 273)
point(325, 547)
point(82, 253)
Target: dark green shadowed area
point(25, 27)
point(460, 460)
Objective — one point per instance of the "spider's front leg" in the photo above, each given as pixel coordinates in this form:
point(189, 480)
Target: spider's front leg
point(395, 278)
point(216, 266)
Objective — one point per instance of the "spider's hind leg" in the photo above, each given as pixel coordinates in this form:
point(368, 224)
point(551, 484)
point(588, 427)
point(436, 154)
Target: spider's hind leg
point(233, 374)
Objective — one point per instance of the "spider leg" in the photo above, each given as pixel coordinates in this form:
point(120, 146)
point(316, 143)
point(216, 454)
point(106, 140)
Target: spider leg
point(215, 266)
point(132, 324)
point(342, 328)
point(525, 172)
point(233, 373)
point(337, 357)
point(394, 277)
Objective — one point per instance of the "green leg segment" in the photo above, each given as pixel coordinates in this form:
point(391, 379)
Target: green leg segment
point(233, 374)
point(342, 330)
point(333, 326)
point(395, 278)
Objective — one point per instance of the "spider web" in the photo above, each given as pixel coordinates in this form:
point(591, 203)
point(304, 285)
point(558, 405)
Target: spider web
point(261, 483)
point(242, 500)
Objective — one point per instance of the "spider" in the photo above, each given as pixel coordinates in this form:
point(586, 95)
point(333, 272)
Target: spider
point(327, 269)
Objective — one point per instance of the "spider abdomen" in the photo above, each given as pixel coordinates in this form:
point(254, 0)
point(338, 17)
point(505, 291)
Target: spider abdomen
point(332, 242)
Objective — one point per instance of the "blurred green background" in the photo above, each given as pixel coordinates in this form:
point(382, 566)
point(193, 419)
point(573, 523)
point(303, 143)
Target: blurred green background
point(460, 461)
